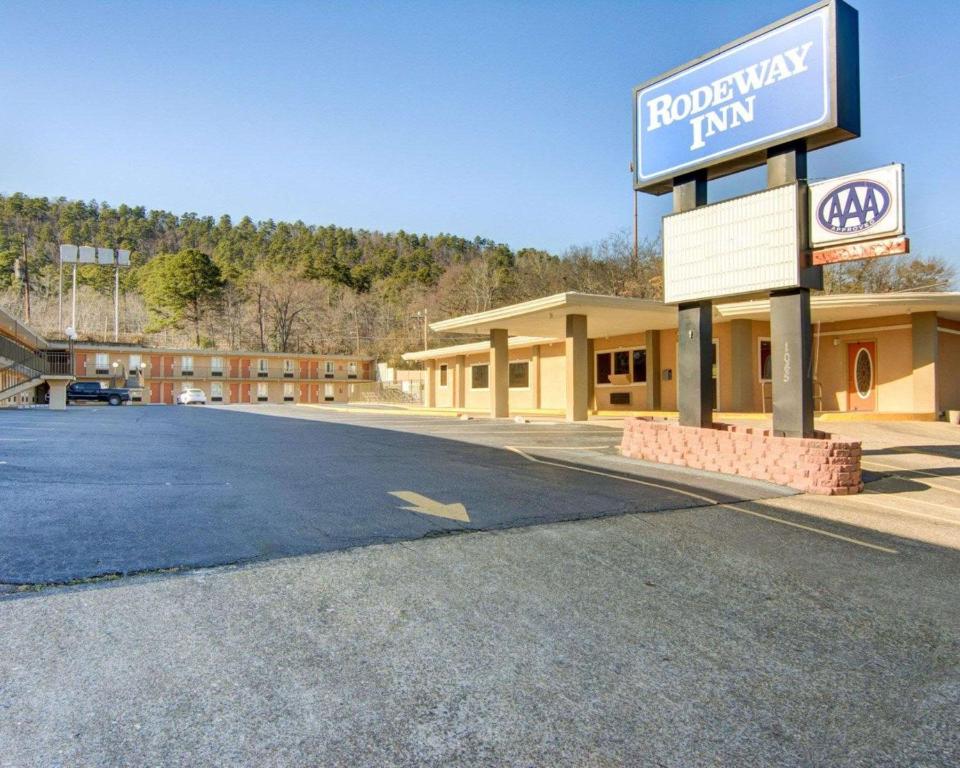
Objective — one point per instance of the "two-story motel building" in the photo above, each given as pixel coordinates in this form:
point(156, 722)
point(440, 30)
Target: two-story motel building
point(576, 354)
point(29, 364)
point(159, 375)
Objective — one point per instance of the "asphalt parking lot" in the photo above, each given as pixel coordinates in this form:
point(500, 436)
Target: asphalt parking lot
point(94, 490)
point(564, 633)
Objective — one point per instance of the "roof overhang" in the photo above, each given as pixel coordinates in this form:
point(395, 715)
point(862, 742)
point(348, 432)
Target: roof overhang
point(546, 317)
point(475, 347)
point(837, 307)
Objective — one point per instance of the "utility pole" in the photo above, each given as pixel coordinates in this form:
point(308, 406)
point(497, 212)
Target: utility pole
point(425, 329)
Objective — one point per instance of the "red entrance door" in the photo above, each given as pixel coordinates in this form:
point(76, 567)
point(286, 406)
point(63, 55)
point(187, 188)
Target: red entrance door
point(862, 376)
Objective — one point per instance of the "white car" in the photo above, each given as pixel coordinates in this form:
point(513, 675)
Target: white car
point(189, 396)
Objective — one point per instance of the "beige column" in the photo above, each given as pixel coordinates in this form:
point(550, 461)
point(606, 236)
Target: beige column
point(497, 375)
point(926, 353)
point(741, 367)
point(578, 374)
point(460, 381)
point(591, 377)
point(535, 375)
point(58, 392)
point(652, 343)
point(429, 384)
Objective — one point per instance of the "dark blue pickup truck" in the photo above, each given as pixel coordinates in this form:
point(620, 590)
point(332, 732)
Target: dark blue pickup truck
point(91, 391)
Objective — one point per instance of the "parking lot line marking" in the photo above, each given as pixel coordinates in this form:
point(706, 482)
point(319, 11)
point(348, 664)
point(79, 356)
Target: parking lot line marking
point(948, 507)
point(567, 447)
point(811, 529)
point(535, 460)
point(902, 511)
point(938, 486)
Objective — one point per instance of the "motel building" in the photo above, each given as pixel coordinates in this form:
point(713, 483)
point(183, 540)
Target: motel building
point(576, 354)
point(30, 365)
point(159, 375)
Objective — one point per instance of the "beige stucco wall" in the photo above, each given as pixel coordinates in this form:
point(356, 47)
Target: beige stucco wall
point(948, 367)
point(895, 382)
point(553, 385)
point(894, 362)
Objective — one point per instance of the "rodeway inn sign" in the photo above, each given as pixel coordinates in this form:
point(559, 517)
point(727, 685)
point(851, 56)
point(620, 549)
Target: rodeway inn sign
point(794, 80)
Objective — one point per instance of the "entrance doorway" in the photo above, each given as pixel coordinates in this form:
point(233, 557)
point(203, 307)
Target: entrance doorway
point(862, 376)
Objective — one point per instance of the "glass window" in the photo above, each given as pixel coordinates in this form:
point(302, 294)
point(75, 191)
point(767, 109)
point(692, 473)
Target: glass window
point(262, 365)
point(288, 366)
point(216, 391)
point(621, 362)
point(186, 364)
point(262, 390)
point(603, 368)
point(103, 362)
point(351, 369)
point(639, 366)
point(766, 360)
point(443, 375)
point(328, 368)
point(288, 391)
point(328, 391)
point(135, 361)
point(216, 363)
point(519, 375)
point(479, 376)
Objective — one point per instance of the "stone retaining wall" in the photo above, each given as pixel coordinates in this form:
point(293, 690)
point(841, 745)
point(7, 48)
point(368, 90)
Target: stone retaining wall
point(815, 465)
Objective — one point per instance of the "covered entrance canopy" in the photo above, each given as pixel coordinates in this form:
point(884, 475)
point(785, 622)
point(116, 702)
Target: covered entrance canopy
point(547, 317)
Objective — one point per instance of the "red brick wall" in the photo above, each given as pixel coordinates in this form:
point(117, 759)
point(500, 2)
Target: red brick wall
point(815, 465)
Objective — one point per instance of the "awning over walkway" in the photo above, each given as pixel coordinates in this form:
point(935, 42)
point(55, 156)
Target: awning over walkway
point(546, 317)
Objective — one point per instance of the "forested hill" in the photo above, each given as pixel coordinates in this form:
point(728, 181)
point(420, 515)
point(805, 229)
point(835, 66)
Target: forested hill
point(293, 286)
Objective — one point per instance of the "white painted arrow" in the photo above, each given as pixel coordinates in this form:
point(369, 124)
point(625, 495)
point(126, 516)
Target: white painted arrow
point(426, 506)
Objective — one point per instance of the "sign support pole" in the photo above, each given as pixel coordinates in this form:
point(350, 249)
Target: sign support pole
point(73, 299)
point(116, 302)
point(791, 330)
point(695, 327)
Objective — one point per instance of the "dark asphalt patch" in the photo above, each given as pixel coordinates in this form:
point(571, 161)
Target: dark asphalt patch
point(136, 489)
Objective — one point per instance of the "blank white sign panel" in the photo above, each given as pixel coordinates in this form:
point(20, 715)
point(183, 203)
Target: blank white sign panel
point(745, 245)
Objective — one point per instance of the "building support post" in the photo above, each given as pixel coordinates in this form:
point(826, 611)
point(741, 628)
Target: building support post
point(498, 382)
point(576, 367)
point(742, 370)
point(591, 377)
point(790, 320)
point(535, 376)
point(429, 384)
point(926, 353)
point(695, 327)
point(652, 341)
point(459, 381)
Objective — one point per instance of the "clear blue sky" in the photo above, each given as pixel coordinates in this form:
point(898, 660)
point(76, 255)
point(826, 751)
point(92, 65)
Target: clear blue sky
point(507, 120)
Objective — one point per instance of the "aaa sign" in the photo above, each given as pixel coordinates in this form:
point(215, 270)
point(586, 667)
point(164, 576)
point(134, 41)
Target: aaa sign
point(860, 207)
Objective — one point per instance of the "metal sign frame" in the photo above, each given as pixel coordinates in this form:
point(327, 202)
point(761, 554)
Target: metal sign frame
point(842, 121)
